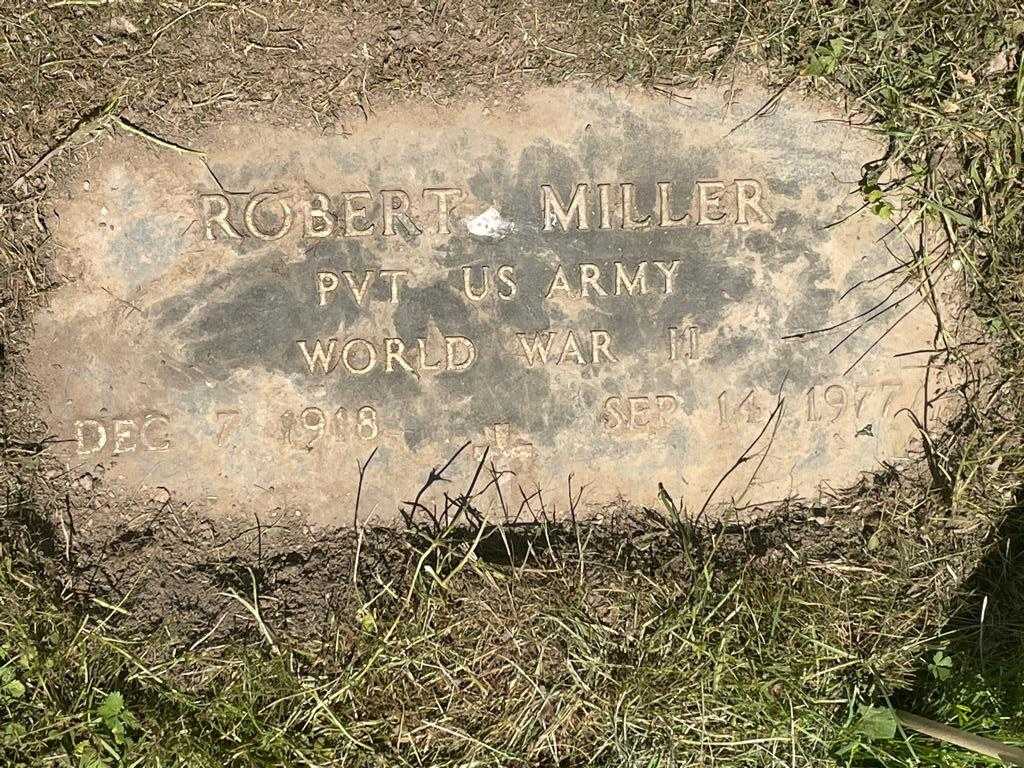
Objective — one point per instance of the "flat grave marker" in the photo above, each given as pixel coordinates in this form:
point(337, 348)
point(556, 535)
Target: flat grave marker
point(603, 284)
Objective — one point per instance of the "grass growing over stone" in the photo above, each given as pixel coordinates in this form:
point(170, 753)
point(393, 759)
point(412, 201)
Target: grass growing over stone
point(640, 642)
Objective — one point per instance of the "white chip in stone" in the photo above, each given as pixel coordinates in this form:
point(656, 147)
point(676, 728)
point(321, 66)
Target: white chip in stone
point(490, 224)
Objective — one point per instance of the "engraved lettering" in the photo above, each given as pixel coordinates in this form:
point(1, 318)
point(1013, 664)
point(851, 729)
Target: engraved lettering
point(359, 293)
point(352, 213)
point(629, 221)
point(860, 394)
point(366, 423)
point(747, 410)
point(631, 285)
point(558, 283)
point(452, 345)
point(467, 283)
point(250, 218)
point(358, 216)
point(555, 210)
point(665, 207)
point(502, 441)
point(571, 347)
point(599, 341)
point(668, 269)
point(447, 199)
point(313, 420)
point(835, 398)
point(126, 434)
point(748, 195)
point(830, 402)
point(90, 443)
point(392, 275)
point(751, 405)
point(589, 275)
point(315, 429)
point(683, 343)
point(667, 406)
point(149, 443)
point(535, 349)
point(395, 206)
point(215, 211)
point(326, 282)
point(318, 356)
point(506, 275)
point(124, 430)
point(638, 412)
point(348, 353)
point(889, 391)
point(812, 405)
point(612, 415)
point(424, 365)
point(360, 356)
point(319, 219)
point(604, 205)
point(629, 280)
point(709, 202)
point(539, 348)
point(394, 351)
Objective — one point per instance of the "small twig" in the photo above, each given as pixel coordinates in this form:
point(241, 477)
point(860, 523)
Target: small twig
point(885, 333)
point(875, 309)
point(765, 108)
point(359, 488)
point(88, 125)
point(154, 139)
point(254, 609)
point(470, 554)
point(437, 475)
point(771, 440)
point(156, 35)
point(573, 503)
point(744, 457)
point(959, 738)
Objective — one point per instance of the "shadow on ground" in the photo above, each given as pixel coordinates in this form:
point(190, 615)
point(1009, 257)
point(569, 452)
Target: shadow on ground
point(974, 679)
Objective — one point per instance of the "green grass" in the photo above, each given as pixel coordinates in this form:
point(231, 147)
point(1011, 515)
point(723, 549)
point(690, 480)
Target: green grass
point(561, 661)
point(501, 668)
point(636, 645)
point(973, 677)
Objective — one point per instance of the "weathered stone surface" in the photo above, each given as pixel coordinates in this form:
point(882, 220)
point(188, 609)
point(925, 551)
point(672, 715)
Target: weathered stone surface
point(247, 330)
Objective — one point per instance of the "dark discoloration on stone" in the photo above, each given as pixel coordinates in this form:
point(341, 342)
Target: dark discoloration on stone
point(184, 352)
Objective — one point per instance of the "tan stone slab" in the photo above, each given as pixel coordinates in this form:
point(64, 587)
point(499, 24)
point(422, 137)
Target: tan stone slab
point(245, 331)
